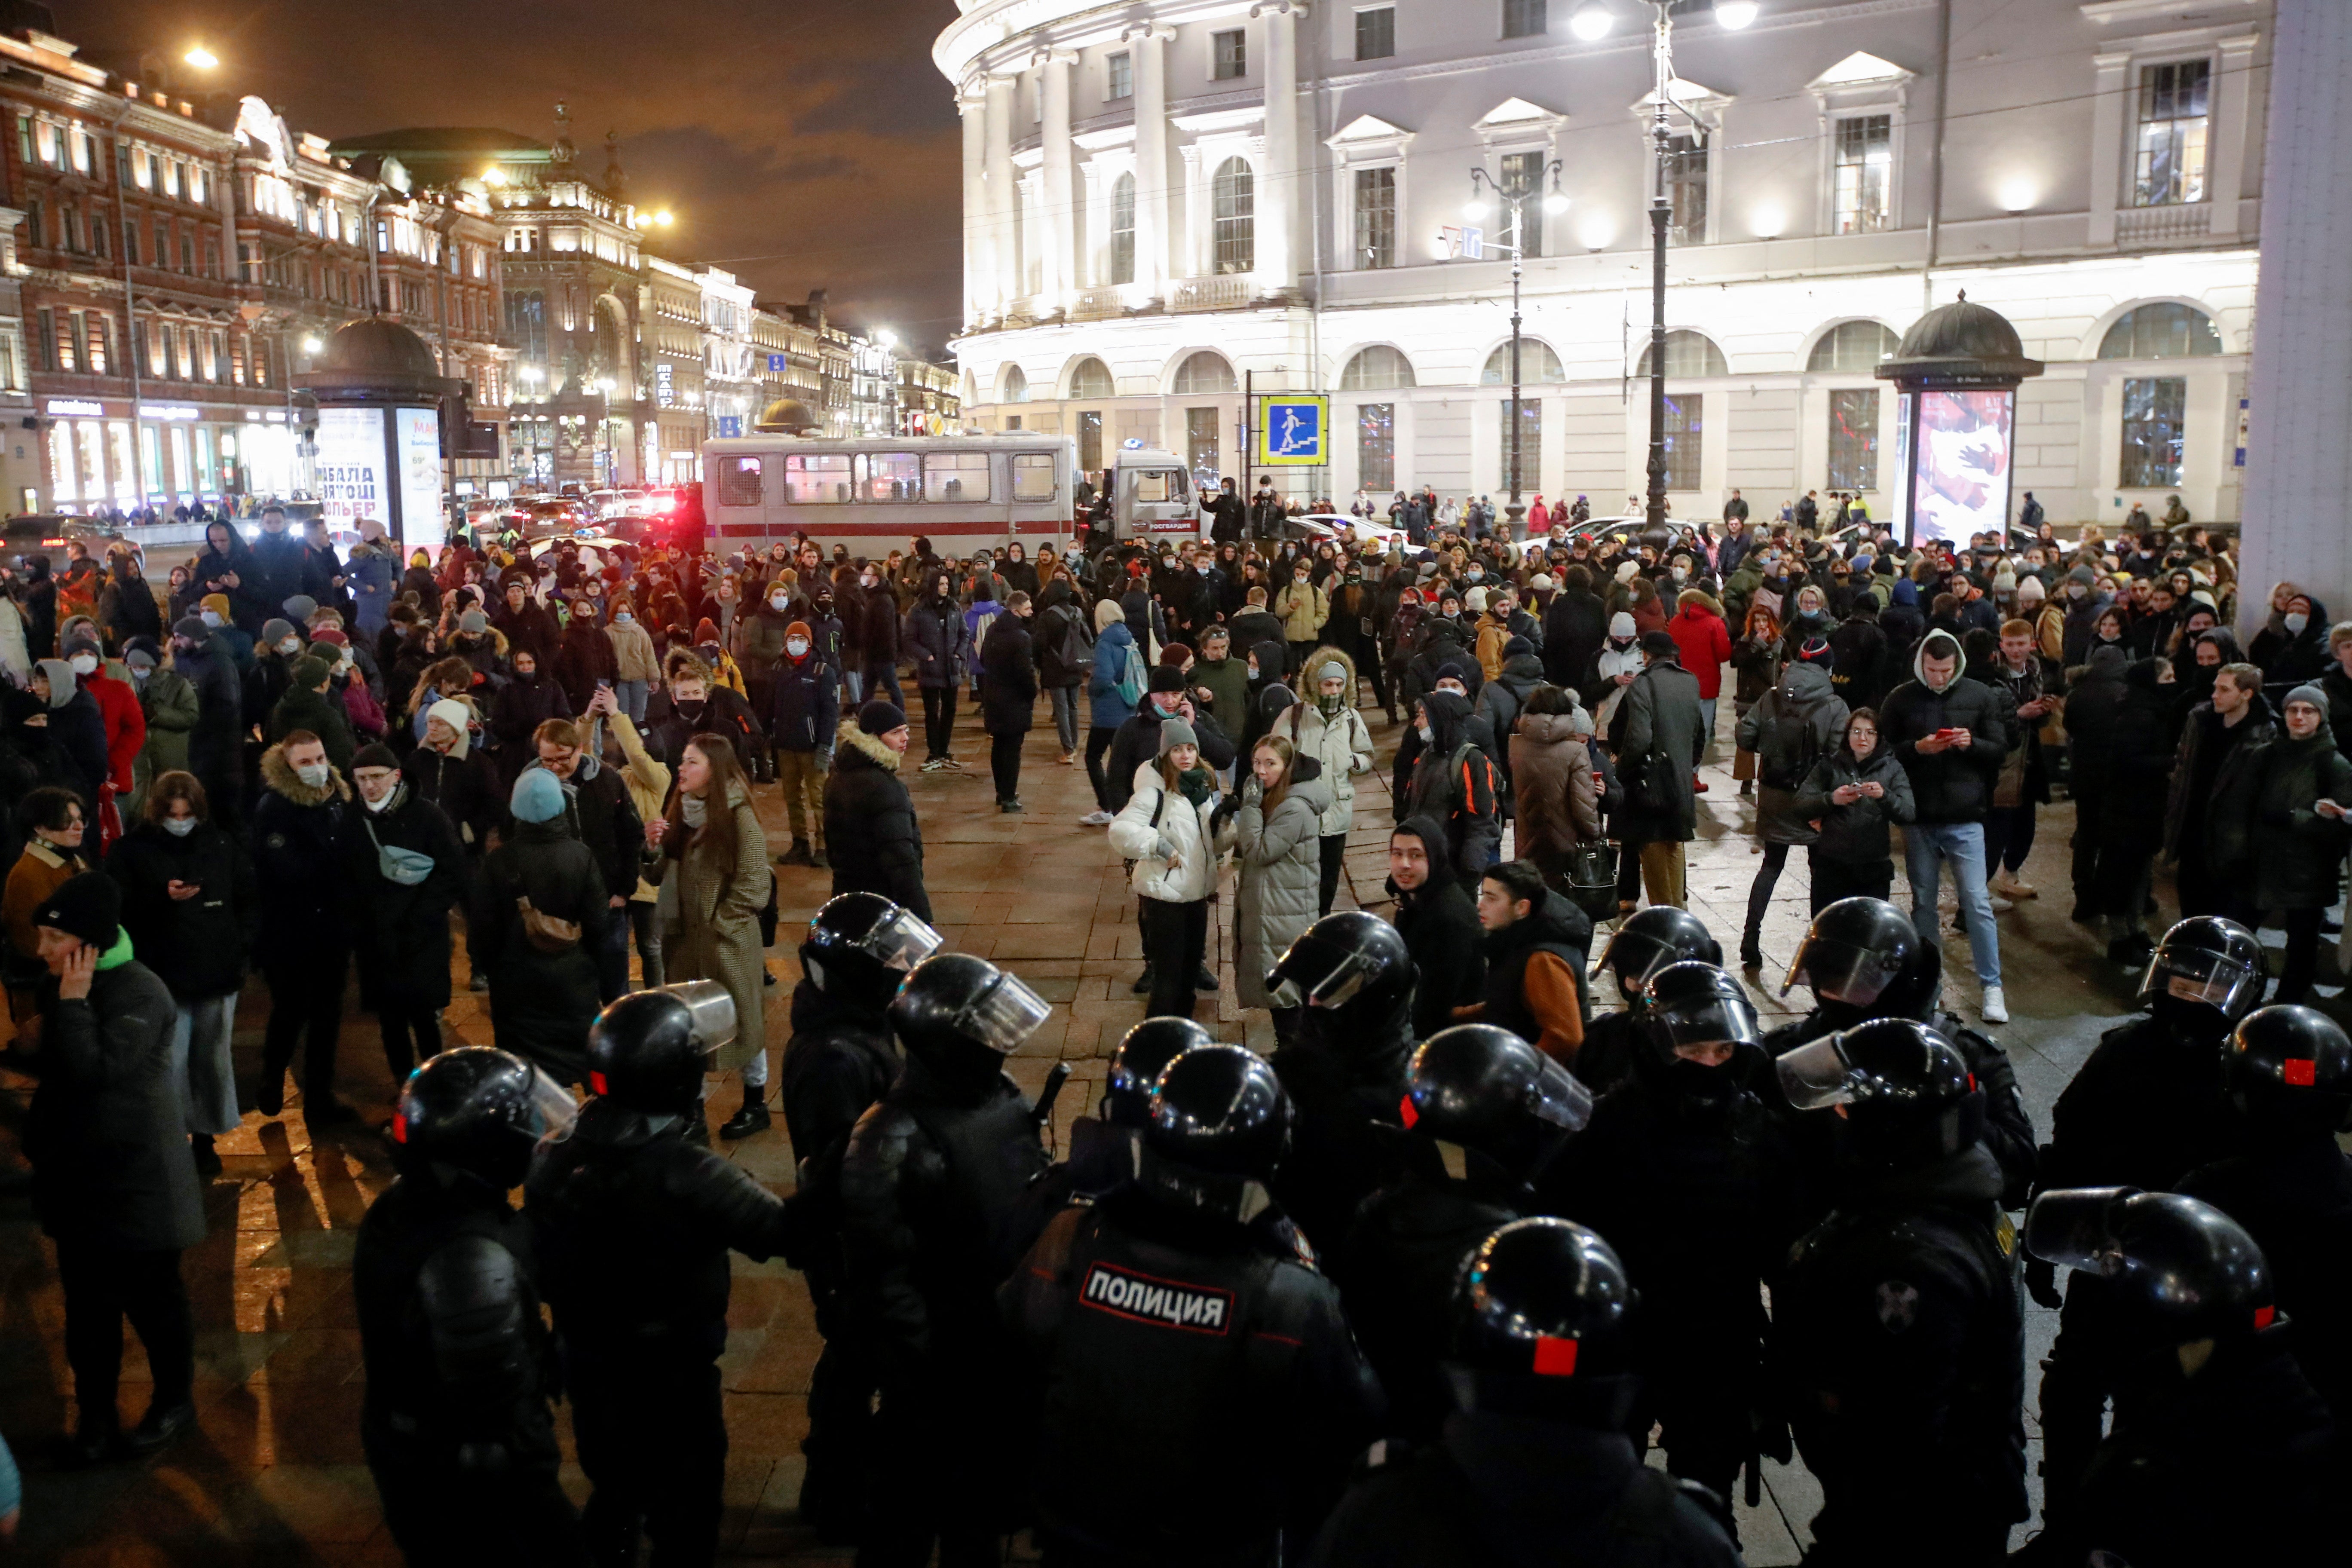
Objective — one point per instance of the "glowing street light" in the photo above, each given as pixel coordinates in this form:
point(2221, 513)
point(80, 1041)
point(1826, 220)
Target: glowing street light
point(1591, 24)
point(311, 345)
point(201, 58)
point(663, 218)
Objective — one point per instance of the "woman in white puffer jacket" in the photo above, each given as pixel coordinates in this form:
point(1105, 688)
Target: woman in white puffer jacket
point(1168, 829)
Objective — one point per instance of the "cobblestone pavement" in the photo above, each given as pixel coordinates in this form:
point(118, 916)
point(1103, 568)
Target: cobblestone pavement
point(273, 1473)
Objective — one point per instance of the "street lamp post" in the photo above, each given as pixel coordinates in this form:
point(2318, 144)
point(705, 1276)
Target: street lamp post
point(1515, 512)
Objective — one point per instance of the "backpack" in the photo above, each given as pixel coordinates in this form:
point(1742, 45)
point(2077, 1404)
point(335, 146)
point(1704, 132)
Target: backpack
point(1072, 645)
point(1130, 685)
point(1790, 751)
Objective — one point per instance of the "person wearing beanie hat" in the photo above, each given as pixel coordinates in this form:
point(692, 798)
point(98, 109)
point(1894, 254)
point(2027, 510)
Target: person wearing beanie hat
point(415, 873)
point(537, 796)
point(299, 608)
point(541, 914)
point(310, 704)
point(2301, 815)
point(1666, 731)
point(1167, 830)
point(876, 846)
point(473, 624)
point(118, 710)
point(113, 1181)
point(803, 719)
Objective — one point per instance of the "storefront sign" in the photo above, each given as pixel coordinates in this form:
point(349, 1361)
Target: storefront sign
point(76, 405)
point(169, 411)
point(663, 395)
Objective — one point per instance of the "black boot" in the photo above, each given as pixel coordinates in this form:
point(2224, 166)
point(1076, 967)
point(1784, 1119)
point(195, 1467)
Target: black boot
point(1142, 986)
point(1203, 979)
point(1751, 952)
point(161, 1425)
point(798, 855)
point(200, 1147)
point(752, 1118)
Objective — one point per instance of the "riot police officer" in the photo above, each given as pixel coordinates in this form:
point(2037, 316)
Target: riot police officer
point(1644, 943)
point(1345, 1070)
point(931, 1182)
point(1498, 1111)
point(1534, 1466)
point(2288, 1075)
point(1104, 1147)
point(1690, 1175)
point(2144, 1108)
point(633, 1220)
point(1862, 958)
point(840, 1060)
point(1167, 1330)
point(2221, 1451)
point(459, 1367)
point(1898, 1336)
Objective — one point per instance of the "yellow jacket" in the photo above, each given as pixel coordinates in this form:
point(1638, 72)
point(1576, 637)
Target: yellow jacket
point(649, 784)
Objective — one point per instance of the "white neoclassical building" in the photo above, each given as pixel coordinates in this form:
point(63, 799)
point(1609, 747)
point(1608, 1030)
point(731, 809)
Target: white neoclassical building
point(1168, 200)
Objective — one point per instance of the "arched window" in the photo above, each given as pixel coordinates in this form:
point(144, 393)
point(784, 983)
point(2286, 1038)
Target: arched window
point(1012, 386)
point(1851, 347)
point(1376, 369)
point(1233, 213)
point(1689, 354)
point(2161, 331)
point(1122, 230)
point(1537, 364)
point(1204, 371)
point(1091, 378)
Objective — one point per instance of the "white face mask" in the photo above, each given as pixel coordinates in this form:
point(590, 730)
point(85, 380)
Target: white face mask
point(1428, 736)
point(777, 602)
point(796, 645)
point(289, 647)
point(212, 619)
point(179, 826)
point(315, 775)
point(2295, 621)
point(84, 663)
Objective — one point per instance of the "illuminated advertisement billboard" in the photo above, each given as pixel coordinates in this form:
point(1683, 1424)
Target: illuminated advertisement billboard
point(1955, 446)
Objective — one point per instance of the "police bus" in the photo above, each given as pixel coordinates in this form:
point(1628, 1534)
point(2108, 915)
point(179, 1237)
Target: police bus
point(960, 491)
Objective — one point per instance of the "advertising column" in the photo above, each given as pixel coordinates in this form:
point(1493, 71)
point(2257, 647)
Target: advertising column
point(353, 470)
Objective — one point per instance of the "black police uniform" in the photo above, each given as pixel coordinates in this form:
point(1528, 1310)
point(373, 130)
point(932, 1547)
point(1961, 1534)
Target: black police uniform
point(459, 1366)
point(633, 1222)
point(1198, 1352)
point(932, 1177)
point(1345, 1071)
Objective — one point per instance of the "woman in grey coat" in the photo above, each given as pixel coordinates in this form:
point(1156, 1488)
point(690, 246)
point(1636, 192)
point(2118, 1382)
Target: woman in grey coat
point(1278, 855)
point(1797, 724)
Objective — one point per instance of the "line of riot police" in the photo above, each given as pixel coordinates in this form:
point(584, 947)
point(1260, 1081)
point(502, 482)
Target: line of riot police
point(1378, 1300)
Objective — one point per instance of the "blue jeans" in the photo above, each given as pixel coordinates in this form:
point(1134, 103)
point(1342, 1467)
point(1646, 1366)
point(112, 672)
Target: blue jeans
point(632, 694)
point(1926, 846)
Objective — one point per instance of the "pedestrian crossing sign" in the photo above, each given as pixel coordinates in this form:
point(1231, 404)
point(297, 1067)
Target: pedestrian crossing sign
point(1293, 431)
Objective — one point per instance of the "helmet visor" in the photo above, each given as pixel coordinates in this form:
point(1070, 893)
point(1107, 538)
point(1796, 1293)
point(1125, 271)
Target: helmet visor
point(1841, 971)
point(1313, 974)
point(553, 1108)
point(1816, 1076)
point(1004, 1015)
point(1635, 958)
point(712, 1008)
point(1705, 1021)
point(901, 941)
point(2074, 1228)
point(1560, 1099)
point(2211, 978)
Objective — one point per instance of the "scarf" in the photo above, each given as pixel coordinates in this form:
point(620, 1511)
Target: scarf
point(1198, 783)
point(693, 809)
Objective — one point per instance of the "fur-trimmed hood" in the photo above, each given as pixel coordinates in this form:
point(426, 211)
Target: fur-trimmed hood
point(1310, 673)
point(277, 775)
point(870, 747)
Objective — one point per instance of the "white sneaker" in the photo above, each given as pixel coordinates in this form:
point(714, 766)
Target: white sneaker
point(935, 765)
point(1994, 1008)
point(1094, 819)
point(2001, 906)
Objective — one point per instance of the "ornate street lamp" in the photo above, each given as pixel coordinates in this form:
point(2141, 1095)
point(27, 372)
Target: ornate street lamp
point(1479, 206)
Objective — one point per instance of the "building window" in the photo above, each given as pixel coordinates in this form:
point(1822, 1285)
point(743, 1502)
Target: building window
point(33, 225)
point(130, 243)
point(1376, 37)
point(1012, 386)
point(1204, 373)
point(1376, 446)
point(1122, 229)
point(1201, 446)
point(1090, 451)
point(2173, 127)
point(1229, 55)
point(1852, 348)
point(1688, 354)
point(2154, 408)
point(1687, 188)
point(1539, 365)
point(1865, 163)
point(102, 345)
point(1522, 175)
point(45, 342)
point(1683, 440)
point(1523, 18)
point(1233, 207)
point(1531, 444)
point(2161, 331)
point(1853, 438)
point(1378, 368)
point(69, 334)
point(1091, 378)
point(1118, 75)
point(1376, 217)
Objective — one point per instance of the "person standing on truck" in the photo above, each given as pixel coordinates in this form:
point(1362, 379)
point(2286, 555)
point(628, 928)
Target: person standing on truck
point(1225, 512)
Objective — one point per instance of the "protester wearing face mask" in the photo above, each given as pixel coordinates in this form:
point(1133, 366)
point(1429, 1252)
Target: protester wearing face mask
point(168, 703)
point(118, 708)
point(637, 666)
point(305, 835)
point(2291, 646)
point(414, 874)
point(1327, 727)
point(308, 706)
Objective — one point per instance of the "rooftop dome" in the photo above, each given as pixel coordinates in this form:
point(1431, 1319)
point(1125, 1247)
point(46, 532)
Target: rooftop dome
point(1960, 343)
point(788, 417)
point(374, 348)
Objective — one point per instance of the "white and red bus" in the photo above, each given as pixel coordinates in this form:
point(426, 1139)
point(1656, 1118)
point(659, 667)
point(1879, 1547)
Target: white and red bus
point(962, 492)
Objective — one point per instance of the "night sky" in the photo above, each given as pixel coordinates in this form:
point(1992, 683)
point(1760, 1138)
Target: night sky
point(802, 143)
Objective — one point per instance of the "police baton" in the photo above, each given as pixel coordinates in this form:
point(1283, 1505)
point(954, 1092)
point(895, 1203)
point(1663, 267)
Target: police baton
point(1042, 1113)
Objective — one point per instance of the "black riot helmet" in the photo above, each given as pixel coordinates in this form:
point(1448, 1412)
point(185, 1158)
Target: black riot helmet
point(1909, 1095)
point(2205, 976)
point(1499, 1099)
point(1220, 1124)
point(648, 1050)
point(1855, 955)
point(475, 1114)
point(1135, 1067)
point(1651, 939)
point(960, 1016)
point(1347, 958)
point(2179, 1270)
point(1538, 1326)
point(1693, 1005)
point(2289, 1069)
point(861, 946)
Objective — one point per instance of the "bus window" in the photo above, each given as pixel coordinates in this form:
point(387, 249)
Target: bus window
point(889, 476)
point(955, 476)
point(739, 481)
point(1032, 475)
point(812, 478)
point(1154, 484)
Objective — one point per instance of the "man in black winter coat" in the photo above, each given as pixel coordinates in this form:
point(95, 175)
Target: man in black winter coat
point(1574, 629)
point(869, 818)
point(1439, 923)
point(527, 626)
point(1008, 696)
point(414, 874)
point(1137, 740)
point(281, 563)
point(530, 697)
point(217, 745)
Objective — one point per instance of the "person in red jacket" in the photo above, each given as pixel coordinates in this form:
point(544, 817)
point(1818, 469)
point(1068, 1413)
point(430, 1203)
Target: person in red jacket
point(118, 705)
point(1704, 641)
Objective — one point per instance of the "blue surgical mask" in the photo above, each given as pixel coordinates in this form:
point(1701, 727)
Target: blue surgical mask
point(179, 826)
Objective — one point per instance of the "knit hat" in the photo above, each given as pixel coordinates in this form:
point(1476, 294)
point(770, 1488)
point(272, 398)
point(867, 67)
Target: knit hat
point(375, 754)
point(1331, 669)
point(473, 623)
point(1453, 669)
point(300, 608)
point(191, 627)
point(1474, 601)
point(1661, 645)
point(62, 684)
point(138, 653)
point(538, 797)
point(797, 629)
point(218, 604)
point(1815, 650)
point(2307, 692)
point(1542, 582)
point(2084, 575)
point(2004, 581)
point(1627, 569)
point(880, 718)
point(1175, 732)
point(89, 906)
point(1175, 656)
point(1620, 624)
point(2029, 591)
point(457, 716)
point(74, 646)
point(274, 631)
point(332, 636)
point(310, 669)
point(1165, 678)
point(1518, 646)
